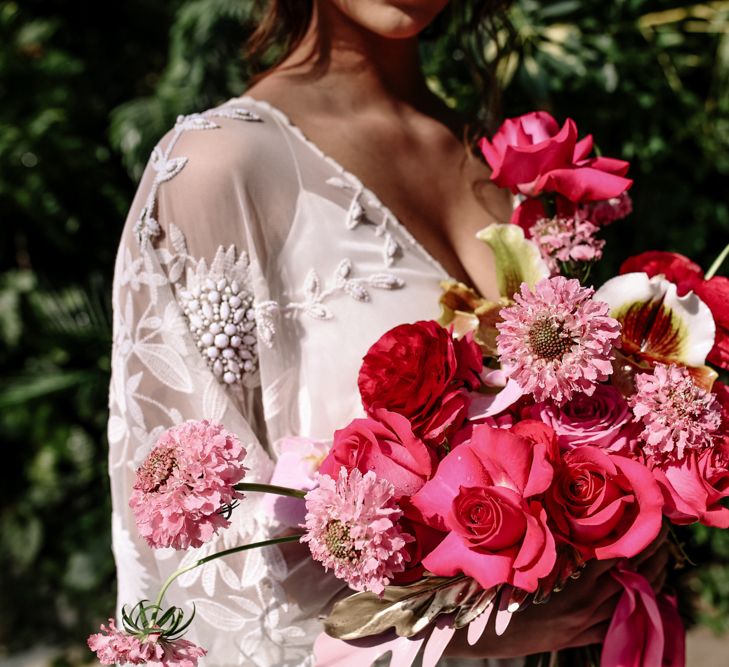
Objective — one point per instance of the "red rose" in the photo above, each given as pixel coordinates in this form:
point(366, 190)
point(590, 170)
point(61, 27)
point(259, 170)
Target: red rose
point(484, 493)
point(426, 539)
point(715, 294)
point(678, 269)
point(419, 371)
point(531, 154)
point(694, 490)
point(387, 446)
point(687, 275)
point(606, 506)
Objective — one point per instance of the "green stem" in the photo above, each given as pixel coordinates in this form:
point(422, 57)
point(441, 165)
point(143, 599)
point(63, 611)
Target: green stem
point(717, 263)
point(270, 488)
point(220, 554)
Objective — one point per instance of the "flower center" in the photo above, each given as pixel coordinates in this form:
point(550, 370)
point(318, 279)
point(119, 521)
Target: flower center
point(339, 543)
point(548, 339)
point(156, 469)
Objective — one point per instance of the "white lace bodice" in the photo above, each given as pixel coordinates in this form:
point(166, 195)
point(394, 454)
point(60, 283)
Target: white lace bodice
point(252, 274)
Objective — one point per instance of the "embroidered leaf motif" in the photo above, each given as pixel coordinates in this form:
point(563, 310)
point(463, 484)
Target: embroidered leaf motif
point(355, 289)
point(166, 168)
point(166, 365)
point(236, 113)
point(338, 182)
point(116, 429)
point(344, 268)
point(177, 239)
point(207, 578)
point(221, 617)
point(355, 215)
point(311, 286)
point(265, 313)
point(194, 121)
point(318, 311)
point(385, 281)
point(213, 401)
point(391, 250)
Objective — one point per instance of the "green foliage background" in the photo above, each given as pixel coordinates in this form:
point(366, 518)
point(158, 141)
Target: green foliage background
point(84, 99)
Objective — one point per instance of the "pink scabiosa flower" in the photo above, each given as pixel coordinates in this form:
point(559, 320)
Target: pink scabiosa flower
point(351, 527)
point(566, 239)
point(144, 643)
point(113, 646)
point(556, 340)
point(186, 483)
point(677, 414)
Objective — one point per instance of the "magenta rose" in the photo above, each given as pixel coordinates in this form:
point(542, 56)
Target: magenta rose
point(485, 494)
point(694, 488)
point(605, 505)
point(386, 445)
point(531, 154)
point(421, 372)
point(602, 420)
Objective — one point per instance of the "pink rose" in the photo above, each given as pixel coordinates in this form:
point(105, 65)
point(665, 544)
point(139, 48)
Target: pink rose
point(694, 487)
point(542, 437)
point(484, 493)
point(421, 372)
point(387, 446)
point(531, 154)
point(602, 420)
point(605, 505)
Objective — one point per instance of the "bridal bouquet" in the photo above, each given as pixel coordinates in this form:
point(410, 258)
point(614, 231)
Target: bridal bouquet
point(504, 446)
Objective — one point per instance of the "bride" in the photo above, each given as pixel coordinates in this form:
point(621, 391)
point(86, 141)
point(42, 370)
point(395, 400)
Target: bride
point(271, 240)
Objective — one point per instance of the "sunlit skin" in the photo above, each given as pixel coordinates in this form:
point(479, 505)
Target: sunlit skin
point(355, 87)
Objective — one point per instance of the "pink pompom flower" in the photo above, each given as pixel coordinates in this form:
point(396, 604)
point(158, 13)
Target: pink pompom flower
point(678, 415)
point(566, 239)
point(556, 340)
point(351, 527)
point(146, 643)
point(186, 483)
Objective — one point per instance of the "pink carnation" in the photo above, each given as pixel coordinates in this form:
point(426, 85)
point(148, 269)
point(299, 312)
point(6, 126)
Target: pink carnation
point(351, 527)
point(677, 414)
point(112, 646)
point(185, 482)
point(556, 340)
point(566, 239)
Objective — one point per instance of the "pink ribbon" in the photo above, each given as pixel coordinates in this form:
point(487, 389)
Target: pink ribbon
point(645, 631)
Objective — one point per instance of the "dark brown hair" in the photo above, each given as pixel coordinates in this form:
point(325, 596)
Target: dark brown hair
point(283, 24)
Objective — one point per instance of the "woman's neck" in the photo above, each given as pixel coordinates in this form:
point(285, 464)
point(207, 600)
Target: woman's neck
point(354, 68)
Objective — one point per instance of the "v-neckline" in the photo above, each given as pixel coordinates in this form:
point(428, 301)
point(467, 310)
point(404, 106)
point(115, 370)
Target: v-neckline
point(348, 175)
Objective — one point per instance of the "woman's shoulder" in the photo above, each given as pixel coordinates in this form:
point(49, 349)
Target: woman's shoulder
point(232, 141)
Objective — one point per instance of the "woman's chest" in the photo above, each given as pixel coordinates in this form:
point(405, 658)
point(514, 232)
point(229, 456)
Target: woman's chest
point(347, 273)
point(439, 192)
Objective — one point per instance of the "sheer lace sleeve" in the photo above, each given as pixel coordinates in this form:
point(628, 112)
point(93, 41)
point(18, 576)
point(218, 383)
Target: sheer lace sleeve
point(187, 286)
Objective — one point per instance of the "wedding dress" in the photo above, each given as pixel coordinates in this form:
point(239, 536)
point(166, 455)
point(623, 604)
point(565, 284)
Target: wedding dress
point(253, 272)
